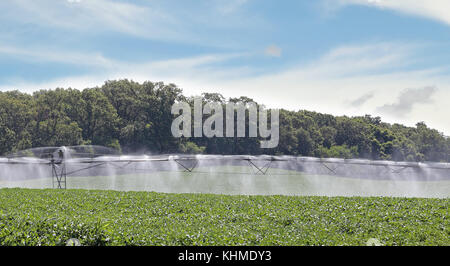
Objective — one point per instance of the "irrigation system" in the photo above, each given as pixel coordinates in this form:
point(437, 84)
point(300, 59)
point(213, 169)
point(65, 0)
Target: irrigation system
point(66, 161)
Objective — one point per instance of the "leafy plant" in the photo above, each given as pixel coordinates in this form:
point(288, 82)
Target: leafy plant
point(51, 217)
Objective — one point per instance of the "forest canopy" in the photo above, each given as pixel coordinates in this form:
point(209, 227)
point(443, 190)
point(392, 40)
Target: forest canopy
point(131, 117)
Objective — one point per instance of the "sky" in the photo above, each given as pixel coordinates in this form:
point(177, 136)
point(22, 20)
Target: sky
point(387, 58)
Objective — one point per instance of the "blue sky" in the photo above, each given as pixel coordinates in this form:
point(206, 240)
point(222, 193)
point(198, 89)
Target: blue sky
point(354, 57)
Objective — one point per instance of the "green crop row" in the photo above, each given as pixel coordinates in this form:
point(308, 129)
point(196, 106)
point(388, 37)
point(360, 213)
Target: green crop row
point(51, 217)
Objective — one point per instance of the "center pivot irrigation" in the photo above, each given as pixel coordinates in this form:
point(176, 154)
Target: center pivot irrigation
point(60, 159)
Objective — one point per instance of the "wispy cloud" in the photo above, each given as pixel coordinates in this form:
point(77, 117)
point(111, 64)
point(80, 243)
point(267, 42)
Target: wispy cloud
point(434, 9)
point(102, 68)
point(407, 100)
point(55, 56)
point(361, 59)
point(152, 20)
point(94, 16)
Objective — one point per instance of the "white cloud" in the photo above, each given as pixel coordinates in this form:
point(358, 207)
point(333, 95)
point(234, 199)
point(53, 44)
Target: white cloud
point(435, 9)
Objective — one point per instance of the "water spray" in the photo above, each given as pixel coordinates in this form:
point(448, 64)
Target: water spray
point(96, 162)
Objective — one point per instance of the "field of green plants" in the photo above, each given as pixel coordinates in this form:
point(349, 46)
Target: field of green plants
point(51, 217)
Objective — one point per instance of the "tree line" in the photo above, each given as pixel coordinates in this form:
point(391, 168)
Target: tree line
point(132, 117)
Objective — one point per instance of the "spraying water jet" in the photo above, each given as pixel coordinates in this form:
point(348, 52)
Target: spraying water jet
point(233, 174)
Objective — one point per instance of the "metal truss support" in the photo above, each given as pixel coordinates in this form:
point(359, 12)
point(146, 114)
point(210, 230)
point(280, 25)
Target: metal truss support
point(187, 168)
point(332, 170)
point(260, 170)
point(59, 175)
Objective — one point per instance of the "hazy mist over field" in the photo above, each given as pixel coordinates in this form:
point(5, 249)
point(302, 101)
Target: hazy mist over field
point(234, 177)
